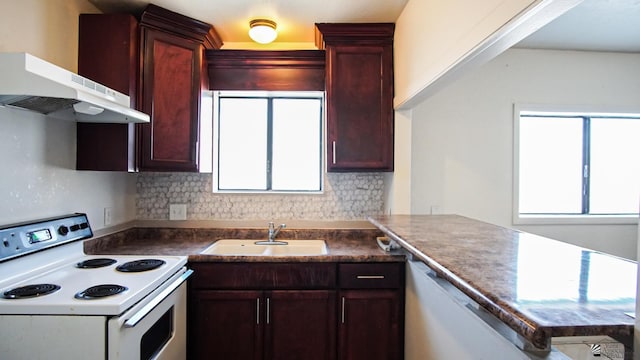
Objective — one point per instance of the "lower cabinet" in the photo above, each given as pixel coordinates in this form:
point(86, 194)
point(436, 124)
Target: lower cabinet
point(263, 324)
point(295, 311)
point(300, 324)
point(370, 325)
point(225, 325)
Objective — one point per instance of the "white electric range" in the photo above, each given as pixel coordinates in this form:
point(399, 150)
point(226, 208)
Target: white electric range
point(58, 303)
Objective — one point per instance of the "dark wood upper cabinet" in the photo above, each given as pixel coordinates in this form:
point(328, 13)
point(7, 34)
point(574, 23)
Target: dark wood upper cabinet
point(174, 76)
point(108, 53)
point(170, 95)
point(359, 85)
point(159, 63)
point(287, 70)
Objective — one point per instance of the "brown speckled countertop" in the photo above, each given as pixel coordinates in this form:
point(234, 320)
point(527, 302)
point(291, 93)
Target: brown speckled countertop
point(540, 287)
point(344, 245)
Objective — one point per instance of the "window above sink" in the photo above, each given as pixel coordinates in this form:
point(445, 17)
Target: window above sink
point(268, 141)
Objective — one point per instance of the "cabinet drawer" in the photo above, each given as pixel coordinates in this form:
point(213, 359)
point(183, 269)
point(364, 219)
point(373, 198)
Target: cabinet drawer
point(263, 275)
point(371, 276)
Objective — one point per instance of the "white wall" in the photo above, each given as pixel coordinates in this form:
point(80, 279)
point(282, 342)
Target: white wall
point(636, 331)
point(437, 41)
point(38, 154)
point(397, 183)
point(462, 136)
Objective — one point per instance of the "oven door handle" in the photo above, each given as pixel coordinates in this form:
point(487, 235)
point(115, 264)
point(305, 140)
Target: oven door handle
point(135, 319)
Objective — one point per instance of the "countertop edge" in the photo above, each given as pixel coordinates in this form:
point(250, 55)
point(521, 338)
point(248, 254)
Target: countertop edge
point(538, 335)
point(296, 259)
point(345, 245)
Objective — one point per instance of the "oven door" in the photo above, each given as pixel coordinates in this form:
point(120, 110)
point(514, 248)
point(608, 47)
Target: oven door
point(156, 327)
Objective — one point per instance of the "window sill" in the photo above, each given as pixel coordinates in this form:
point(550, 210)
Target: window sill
point(575, 219)
point(260, 192)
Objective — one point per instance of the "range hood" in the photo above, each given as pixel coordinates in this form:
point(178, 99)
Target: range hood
point(30, 83)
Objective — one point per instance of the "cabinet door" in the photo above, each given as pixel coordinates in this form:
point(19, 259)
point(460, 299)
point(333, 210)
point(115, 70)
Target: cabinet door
point(300, 325)
point(370, 325)
point(359, 107)
point(226, 325)
point(171, 81)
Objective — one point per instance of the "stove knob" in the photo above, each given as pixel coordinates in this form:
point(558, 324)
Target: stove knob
point(63, 230)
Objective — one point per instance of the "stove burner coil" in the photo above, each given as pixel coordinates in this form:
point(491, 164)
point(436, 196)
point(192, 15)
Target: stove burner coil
point(30, 291)
point(100, 291)
point(95, 263)
point(140, 265)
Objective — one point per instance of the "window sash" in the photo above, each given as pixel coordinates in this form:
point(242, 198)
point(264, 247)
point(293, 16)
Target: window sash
point(587, 192)
point(266, 176)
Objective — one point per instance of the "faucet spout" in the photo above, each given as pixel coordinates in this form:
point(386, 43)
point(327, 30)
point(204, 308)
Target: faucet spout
point(273, 231)
point(271, 238)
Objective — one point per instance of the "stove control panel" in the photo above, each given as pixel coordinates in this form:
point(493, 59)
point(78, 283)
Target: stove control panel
point(23, 238)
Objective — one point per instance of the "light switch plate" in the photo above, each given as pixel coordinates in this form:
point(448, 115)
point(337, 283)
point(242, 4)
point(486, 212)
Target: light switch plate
point(177, 212)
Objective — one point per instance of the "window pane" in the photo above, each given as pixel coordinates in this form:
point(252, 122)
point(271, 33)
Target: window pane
point(550, 165)
point(242, 144)
point(615, 169)
point(296, 144)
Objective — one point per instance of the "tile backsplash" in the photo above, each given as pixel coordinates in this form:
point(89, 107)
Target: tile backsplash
point(347, 196)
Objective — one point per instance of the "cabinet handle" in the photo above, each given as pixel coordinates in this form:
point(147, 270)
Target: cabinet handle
point(258, 311)
point(342, 315)
point(268, 309)
point(370, 276)
point(334, 152)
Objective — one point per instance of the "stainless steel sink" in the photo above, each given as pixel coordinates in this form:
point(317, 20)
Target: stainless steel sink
point(243, 247)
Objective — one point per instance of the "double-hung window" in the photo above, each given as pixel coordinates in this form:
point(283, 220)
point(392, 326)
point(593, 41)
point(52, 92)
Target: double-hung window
point(268, 141)
point(571, 165)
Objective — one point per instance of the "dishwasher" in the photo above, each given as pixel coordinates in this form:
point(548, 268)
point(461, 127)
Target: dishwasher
point(443, 323)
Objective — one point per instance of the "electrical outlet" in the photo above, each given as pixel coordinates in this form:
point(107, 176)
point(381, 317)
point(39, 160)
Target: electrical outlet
point(107, 216)
point(177, 212)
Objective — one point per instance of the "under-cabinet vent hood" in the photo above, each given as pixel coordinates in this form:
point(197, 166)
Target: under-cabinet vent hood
point(30, 83)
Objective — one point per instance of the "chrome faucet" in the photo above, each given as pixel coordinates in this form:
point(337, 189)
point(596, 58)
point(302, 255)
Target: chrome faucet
point(271, 237)
point(273, 231)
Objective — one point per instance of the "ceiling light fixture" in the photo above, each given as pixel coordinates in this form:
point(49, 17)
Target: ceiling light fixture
point(262, 31)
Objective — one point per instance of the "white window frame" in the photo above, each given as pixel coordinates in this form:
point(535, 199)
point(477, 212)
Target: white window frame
point(569, 110)
point(258, 93)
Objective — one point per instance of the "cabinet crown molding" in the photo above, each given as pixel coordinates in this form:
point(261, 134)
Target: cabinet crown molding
point(265, 58)
point(166, 20)
point(353, 33)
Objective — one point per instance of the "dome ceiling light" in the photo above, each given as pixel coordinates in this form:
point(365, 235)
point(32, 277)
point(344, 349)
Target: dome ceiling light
point(262, 31)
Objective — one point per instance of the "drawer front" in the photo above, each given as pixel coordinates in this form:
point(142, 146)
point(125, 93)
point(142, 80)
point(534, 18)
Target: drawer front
point(371, 276)
point(263, 275)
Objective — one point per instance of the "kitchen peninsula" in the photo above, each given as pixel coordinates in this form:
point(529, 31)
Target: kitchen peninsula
point(540, 288)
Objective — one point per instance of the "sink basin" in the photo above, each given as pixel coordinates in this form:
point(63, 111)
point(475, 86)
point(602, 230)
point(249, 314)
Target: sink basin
point(244, 247)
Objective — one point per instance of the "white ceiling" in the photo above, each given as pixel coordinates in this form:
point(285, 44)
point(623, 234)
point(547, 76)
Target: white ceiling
point(599, 25)
point(593, 25)
point(295, 18)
